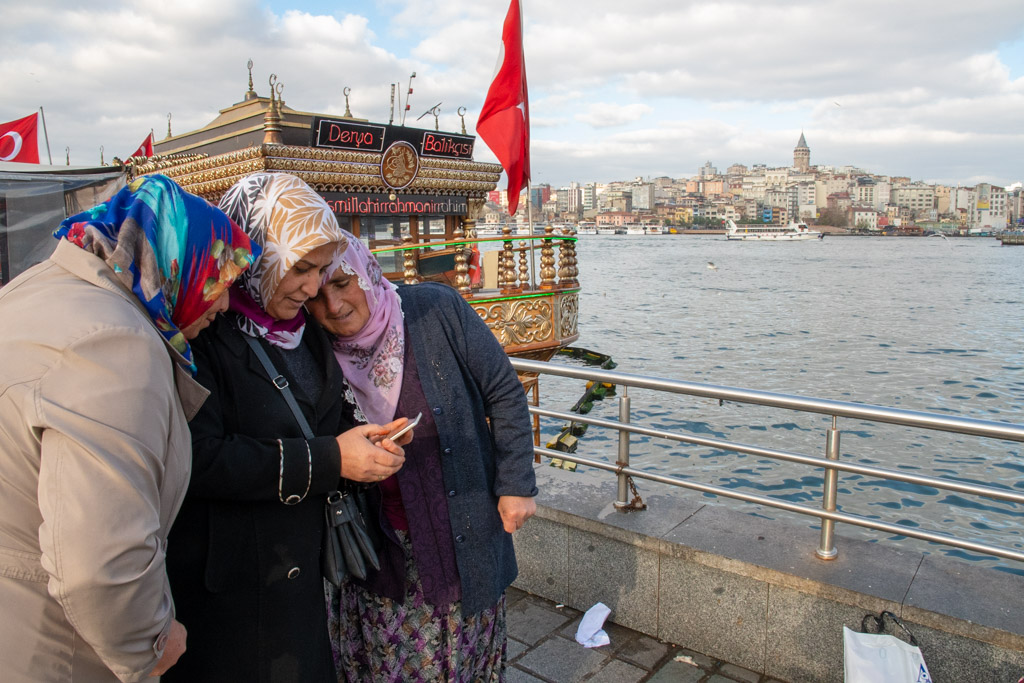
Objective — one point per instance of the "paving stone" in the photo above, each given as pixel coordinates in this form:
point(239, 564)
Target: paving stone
point(643, 651)
point(618, 672)
point(565, 661)
point(677, 672)
point(513, 595)
point(514, 675)
point(719, 679)
point(515, 648)
point(529, 622)
point(739, 673)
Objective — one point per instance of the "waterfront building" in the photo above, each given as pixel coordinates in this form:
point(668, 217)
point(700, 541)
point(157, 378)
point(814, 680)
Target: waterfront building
point(736, 170)
point(618, 200)
point(589, 197)
point(986, 208)
point(539, 194)
point(863, 218)
point(802, 155)
point(917, 197)
point(708, 171)
point(942, 199)
point(614, 218)
point(643, 197)
point(776, 177)
point(827, 185)
point(806, 205)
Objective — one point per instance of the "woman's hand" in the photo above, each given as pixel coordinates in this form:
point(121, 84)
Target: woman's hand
point(515, 510)
point(366, 461)
point(175, 647)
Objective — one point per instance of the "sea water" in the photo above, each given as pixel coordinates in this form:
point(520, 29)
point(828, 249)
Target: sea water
point(924, 324)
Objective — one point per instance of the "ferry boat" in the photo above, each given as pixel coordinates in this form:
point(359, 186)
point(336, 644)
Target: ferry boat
point(412, 195)
point(792, 232)
point(608, 230)
point(635, 229)
point(488, 229)
point(587, 228)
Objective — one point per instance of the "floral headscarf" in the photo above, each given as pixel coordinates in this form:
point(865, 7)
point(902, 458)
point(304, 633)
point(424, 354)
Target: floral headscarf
point(176, 252)
point(372, 359)
point(288, 219)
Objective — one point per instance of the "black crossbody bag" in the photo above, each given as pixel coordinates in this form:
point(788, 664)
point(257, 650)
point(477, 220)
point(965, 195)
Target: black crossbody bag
point(349, 546)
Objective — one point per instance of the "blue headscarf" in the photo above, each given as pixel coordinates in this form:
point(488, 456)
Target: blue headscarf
point(175, 251)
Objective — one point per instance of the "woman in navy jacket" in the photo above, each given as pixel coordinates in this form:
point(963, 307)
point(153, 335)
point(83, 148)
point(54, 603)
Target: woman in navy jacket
point(435, 610)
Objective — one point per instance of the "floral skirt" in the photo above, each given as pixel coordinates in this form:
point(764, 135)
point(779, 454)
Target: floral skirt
point(377, 639)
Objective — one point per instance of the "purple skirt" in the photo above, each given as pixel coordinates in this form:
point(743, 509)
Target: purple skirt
point(375, 638)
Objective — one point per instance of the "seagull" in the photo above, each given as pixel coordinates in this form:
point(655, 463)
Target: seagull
point(712, 266)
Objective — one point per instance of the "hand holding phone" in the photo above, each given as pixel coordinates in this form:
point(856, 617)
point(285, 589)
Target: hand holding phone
point(402, 430)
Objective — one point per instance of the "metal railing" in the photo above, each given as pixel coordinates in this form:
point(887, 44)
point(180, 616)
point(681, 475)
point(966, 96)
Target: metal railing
point(830, 462)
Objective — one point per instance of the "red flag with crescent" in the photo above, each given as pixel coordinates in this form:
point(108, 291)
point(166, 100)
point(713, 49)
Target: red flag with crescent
point(145, 149)
point(19, 141)
point(504, 121)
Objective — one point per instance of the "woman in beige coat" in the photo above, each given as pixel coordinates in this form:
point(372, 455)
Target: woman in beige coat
point(95, 390)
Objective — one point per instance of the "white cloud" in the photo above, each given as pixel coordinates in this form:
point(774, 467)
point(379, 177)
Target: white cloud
point(923, 88)
point(610, 114)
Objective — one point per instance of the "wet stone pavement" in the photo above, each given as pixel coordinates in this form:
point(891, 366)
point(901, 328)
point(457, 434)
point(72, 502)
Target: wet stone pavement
point(542, 647)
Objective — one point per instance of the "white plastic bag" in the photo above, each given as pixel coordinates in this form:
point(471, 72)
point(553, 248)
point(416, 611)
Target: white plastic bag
point(880, 658)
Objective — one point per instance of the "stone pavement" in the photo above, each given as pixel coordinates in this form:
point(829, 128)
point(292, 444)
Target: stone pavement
point(542, 647)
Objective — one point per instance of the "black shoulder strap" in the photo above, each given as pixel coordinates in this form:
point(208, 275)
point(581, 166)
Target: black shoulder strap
point(281, 382)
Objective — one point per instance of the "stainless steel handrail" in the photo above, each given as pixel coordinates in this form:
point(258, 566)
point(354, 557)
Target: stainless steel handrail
point(830, 463)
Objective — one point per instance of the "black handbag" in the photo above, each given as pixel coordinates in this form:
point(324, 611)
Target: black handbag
point(349, 545)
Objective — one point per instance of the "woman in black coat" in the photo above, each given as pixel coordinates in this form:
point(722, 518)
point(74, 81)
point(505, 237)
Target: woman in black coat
point(244, 556)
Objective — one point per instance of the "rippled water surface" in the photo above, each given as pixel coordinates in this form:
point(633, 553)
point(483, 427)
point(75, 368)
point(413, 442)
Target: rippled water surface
point(923, 324)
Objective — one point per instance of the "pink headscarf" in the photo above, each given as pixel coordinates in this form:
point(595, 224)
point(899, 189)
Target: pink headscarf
point(372, 359)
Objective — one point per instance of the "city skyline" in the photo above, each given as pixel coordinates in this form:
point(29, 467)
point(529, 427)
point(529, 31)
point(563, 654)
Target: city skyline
point(927, 91)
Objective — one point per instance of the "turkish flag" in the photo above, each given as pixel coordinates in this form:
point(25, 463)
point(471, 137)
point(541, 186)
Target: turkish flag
point(18, 140)
point(145, 149)
point(504, 121)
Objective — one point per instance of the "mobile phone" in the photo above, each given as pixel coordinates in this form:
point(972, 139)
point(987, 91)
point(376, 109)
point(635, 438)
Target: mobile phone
point(402, 430)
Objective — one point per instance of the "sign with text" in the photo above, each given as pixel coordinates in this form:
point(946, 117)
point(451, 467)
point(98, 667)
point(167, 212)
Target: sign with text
point(371, 137)
point(366, 204)
point(335, 134)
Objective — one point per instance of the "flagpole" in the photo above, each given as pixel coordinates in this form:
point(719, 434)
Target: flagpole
point(46, 137)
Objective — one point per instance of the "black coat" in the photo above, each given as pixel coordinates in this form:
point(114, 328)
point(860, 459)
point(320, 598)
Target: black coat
point(244, 567)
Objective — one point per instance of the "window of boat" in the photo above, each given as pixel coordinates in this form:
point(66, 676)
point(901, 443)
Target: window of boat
point(431, 229)
point(384, 231)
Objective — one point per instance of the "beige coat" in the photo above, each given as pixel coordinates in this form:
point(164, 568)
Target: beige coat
point(95, 456)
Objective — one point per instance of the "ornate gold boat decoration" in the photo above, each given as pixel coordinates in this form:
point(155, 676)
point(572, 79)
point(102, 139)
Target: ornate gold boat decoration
point(413, 195)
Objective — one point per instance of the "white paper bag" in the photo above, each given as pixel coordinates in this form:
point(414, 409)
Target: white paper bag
point(880, 658)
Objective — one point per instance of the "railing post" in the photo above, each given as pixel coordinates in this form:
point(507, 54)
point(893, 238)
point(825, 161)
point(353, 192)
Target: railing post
point(409, 261)
point(827, 547)
point(524, 270)
point(622, 498)
point(461, 266)
point(547, 260)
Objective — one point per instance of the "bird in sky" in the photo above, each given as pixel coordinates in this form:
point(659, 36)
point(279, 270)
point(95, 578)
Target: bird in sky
point(712, 266)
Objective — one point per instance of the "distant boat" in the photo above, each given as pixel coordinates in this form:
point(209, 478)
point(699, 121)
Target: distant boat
point(634, 229)
point(770, 233)
point(607, 230)
point(586, 228)
point(488, 229)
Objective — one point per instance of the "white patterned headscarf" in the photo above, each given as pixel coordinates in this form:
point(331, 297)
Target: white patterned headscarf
point(288, 219)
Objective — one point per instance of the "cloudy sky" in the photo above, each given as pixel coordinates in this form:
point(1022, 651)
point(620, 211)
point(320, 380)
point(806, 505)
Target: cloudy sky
point(931, 89)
